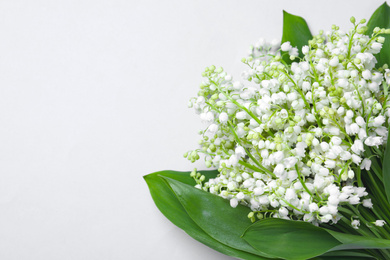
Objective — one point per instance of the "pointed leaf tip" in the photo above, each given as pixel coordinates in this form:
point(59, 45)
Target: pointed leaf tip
point(380, 18)
point(296, 31)
point(167, 202)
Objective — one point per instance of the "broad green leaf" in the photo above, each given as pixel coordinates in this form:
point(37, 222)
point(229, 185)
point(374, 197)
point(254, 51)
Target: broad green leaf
point(344, 255)
point(293, 240)
point(302, 240)
point(295, 31)
point(170, 196)
point(170, 206)
point(358, 242)
point(381, 19)
point(386, 169)
point(215, 216)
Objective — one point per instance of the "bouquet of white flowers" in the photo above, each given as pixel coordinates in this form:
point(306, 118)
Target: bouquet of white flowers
point(299, 148)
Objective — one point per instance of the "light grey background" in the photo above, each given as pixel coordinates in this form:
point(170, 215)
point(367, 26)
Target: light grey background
point(93, 96)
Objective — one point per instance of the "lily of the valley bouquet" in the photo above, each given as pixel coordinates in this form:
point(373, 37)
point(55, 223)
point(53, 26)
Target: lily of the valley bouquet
point(299, 145)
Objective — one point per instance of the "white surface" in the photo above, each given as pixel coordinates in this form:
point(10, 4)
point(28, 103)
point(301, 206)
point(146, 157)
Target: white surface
point(93, 96)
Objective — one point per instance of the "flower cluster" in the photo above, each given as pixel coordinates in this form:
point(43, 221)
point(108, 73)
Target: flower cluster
point(292, 141)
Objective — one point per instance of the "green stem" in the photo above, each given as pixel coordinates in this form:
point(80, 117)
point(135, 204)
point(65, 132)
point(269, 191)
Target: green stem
point(301, 180)
point(247, 152)
point(254, 168)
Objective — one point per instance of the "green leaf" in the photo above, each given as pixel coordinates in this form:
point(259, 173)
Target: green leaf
point(344, 255)
point(386, 169)
point(302, 240)
point(381, 18)
point(294, 240)
point(358, 242)
point(295, 31)
point(195, 212)
point(170, 206)
point(215, 216)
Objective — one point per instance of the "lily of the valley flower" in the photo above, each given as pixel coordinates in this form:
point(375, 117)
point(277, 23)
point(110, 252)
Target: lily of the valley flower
point(289, 141)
